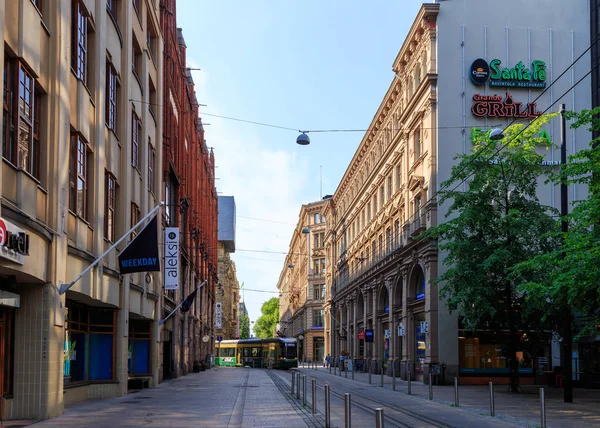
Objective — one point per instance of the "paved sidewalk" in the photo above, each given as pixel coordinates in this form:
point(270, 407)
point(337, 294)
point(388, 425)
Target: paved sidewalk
point(524, 407)
point(219, 397)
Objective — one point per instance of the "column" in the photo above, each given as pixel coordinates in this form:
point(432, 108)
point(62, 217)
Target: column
point(355, 330)
point(390, 288)
point(348, 336)
point(376, 332)
point(407, 340)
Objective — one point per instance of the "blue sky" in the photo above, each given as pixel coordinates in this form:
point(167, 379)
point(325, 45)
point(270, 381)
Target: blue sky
point(310, 65)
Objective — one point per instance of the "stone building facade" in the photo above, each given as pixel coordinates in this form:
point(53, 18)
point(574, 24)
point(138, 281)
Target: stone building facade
point(381, 286)
point(228, 288)
point(302, 284)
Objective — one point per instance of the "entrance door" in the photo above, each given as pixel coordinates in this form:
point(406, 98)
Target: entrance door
point(167, 359)
point(420, 347)
point(319, 349)
point(2, 347)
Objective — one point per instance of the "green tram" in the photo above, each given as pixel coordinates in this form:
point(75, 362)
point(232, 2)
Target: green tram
point(274, 352)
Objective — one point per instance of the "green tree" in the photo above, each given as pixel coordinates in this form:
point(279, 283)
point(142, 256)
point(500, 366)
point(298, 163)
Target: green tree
point(244, 326)
point(566, 280)
point(265, 324)
point(493, 225)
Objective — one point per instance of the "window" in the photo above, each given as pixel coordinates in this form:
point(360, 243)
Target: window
point(109, 222)
point(78, 176)
point(398, 175)
point(136, 130)
point(319, 292)
point(382, 195)
point(316, 267)
point(316, 238)
point(388, 239)
point(139, 350)
point(374, 205)
point(170, 200)
point(316, 218)
point(79, 40)
point(151, 40)
point(135, 216)
point(418, 209)
point(8, 132)
point(111, 97)
point(380, 244)
point(318, 318)
point(397, 232)
point(89, 344)
point(390, 190)
point(136, 63)
point(417, 141)
point(323, 266)
point(151, 160)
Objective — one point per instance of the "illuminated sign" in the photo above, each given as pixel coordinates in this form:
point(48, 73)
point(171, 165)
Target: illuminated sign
point(495, 106)
point(14, 242)
point(518, 76)
point(368, 335)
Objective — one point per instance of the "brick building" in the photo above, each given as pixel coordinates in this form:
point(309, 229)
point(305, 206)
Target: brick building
point(188, 169)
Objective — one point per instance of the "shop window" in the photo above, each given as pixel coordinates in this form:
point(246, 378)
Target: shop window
point(420, 285)
point(7, 342)
point(318, 318)
point(89, 344)
point(139, 351)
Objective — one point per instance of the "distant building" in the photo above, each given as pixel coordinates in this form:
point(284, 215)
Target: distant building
point(302, 284)
point(228, 289)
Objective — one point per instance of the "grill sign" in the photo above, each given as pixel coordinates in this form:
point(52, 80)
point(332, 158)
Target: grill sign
point(480, 71)
point(495, 106)
point(14, 242)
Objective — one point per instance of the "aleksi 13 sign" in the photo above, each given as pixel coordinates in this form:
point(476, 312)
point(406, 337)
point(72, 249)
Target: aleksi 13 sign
point(171, 258)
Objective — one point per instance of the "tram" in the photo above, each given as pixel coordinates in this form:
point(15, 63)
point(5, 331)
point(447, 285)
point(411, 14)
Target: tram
point(274, 352)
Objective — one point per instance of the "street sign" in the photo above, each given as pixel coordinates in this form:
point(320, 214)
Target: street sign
point(219, 338)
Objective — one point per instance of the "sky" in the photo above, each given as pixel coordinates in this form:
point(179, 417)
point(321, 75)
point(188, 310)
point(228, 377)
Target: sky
point(305, 65)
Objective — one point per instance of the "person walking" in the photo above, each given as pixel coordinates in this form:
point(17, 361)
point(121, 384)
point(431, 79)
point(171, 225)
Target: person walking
point(328, 360)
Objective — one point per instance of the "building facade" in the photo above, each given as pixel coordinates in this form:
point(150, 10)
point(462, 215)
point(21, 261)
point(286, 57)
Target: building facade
point(381, 301)
point(228, 288)
point(188, 171)
point(302, 284)
point(81, 139)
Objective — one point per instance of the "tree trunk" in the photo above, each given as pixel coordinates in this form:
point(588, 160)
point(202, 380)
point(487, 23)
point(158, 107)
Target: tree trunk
point(513, 363)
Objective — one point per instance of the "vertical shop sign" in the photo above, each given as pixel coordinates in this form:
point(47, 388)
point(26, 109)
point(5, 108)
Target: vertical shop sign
point(219, 315)
point(171, 258)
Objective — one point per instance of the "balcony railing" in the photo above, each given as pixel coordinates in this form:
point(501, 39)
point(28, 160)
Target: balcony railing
point(401, 238)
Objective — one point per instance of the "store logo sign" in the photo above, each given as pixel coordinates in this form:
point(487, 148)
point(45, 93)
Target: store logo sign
point(14, 242)
point(171, 258)
point(518, 76)
point(495, 106)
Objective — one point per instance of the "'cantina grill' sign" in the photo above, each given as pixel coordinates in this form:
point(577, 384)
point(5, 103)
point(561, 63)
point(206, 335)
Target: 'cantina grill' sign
point(495, 106)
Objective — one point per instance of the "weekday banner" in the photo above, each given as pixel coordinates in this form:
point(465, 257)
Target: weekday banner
point(141, 254)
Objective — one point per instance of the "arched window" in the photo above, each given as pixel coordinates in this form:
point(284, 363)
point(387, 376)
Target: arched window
point(420, 285)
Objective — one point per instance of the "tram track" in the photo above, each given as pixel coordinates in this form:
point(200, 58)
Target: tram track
point(393, 414)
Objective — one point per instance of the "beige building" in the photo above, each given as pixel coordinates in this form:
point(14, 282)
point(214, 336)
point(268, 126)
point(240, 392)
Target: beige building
point(302, 284)
point(80, 147)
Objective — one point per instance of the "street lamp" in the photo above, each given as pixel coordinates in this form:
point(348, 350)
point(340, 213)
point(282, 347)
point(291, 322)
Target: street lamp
point(303, 139)
point(496, 134)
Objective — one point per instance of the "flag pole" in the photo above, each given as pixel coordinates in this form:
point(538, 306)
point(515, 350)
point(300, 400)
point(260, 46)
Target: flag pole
point(161, 322)
point(65, 287)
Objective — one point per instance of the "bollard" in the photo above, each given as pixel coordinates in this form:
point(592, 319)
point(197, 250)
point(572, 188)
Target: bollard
point(293, 381)
point(369, 371)
point(409, 383)
point(378, 418)
point(430, 386)
point(492, 411)
point(304, 390)
point(314, 396)
point(327, 408)
point(340, 369)
point(347, 411)
point(382, 377)
point(298, 386)
point(330, 368)
point(543, 407)
point(393, 376)
point(455, 392)
point(346, 370)
point(353, 367)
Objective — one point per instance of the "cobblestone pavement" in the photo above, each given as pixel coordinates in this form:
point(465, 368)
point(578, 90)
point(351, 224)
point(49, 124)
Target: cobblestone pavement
point(521, 409)
point(215, 398)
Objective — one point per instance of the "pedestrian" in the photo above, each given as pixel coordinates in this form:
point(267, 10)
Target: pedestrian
point(342, 362)
point(328, 359)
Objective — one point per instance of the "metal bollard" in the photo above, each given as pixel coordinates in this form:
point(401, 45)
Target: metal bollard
point(347, 411)
point(298, 386)
point(393, 376)
point(430, 386)
point(346, 370)
point(378, 418)
point(455, 392)
point(293, 381)
point(369, 371)
point(543, 407)
point(382, 377)
point(314, 396)
point(409, 383)
point(492, 410)
point(353, 367)
point(304, 390)
point(327, 408)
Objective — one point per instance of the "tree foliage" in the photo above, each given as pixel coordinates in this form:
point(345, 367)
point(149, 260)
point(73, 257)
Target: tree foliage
point(569, 276)
point(244, 326)
point(493, 225)
point(266, 323)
